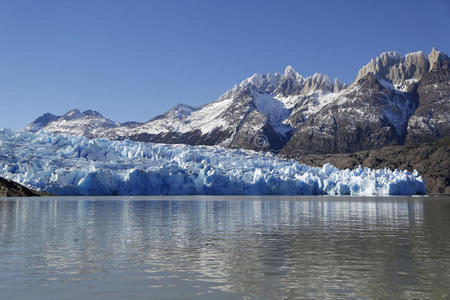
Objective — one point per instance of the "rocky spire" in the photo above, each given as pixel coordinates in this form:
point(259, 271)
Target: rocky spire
point(338, 85)
point(390, 66)
point(413, 66)
point(289, 71)
point(317, 82)
point(436, 58)
point(381, 65)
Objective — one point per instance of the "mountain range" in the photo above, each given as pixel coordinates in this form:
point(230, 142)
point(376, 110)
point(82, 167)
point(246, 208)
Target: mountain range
point(255, 115)
point(394, 100)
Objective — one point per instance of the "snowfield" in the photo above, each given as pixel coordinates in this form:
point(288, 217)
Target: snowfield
point(68, 165)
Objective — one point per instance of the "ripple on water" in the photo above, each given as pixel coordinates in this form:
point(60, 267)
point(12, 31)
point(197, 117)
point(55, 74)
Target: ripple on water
point(225, 247)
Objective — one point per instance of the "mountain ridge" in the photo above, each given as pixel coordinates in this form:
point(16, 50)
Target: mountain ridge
point(388, 104)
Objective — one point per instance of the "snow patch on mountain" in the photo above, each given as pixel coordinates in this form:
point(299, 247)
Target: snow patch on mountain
point(272, 107)
point(401, 87)
point(209, 117)
point(320, 101)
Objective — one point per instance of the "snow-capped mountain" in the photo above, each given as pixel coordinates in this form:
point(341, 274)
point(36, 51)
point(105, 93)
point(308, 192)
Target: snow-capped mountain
point(393, 100)
point(252, 115)
point(89, 123)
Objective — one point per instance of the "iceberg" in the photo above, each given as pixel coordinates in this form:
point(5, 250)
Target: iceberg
point(73, 165)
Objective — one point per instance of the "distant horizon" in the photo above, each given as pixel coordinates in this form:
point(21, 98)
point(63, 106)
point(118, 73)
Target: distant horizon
point(132, 61)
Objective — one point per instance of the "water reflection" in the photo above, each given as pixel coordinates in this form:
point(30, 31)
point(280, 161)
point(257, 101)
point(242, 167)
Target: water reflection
point(230, 247)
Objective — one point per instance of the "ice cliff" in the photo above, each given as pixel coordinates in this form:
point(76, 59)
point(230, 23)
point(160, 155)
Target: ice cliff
point(68, 165)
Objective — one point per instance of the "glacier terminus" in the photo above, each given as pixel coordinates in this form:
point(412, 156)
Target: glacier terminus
point(75, 165)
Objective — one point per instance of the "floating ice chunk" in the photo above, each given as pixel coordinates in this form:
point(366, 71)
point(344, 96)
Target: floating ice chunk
point(68, 165)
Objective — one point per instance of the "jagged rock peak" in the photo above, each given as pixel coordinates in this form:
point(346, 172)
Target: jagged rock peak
point(436, 58)
point(317, 81)
point(76, 113)
point(255, 83)
point(289, 71)
point(291, 83)
point(288, 83)
point(338, 85)
point(390, 66)
point(413, 67)
point(271, 79)
point(73, 113)
point(381, 64)
point(92, 113)
point(389, 55)
point(415, 56)
point(255, 80)
point(416, 63)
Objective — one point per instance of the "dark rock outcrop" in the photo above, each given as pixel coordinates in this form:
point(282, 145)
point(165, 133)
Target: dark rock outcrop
point(9, 188)
point(431, 119)
point(370, 117)
point(432, 160)
point(392, 101)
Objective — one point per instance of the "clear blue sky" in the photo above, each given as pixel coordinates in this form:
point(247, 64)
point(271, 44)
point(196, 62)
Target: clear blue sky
point(132, 60)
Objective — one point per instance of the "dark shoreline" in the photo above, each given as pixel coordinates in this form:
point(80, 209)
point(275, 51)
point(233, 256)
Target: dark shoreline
point(431, 160)
point(9, 188)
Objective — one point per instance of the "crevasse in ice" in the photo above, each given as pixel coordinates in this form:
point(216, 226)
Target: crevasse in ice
point(69, 165)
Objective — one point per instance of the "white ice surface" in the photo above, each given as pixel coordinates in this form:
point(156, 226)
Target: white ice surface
point(68, 165)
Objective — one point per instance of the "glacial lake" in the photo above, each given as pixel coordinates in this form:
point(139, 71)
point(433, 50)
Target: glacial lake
point(220, 247)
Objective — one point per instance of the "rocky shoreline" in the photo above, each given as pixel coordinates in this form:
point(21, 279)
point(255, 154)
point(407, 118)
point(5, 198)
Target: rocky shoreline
point(431, 160)
point(9, 188)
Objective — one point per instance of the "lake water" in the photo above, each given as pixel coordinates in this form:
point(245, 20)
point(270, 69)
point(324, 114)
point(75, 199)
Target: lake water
point(225, 247)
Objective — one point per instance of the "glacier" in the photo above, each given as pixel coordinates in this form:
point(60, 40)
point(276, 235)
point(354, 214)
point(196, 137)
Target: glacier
point(73, 165)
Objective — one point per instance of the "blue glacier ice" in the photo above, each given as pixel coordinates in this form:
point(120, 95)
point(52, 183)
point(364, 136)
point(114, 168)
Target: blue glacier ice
point(71, 165)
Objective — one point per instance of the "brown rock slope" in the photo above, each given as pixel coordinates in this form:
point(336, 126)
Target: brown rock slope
point(9, 188)
point(432, 160)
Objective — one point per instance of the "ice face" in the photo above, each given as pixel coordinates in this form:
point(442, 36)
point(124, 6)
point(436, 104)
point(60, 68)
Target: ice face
point(68, 165)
